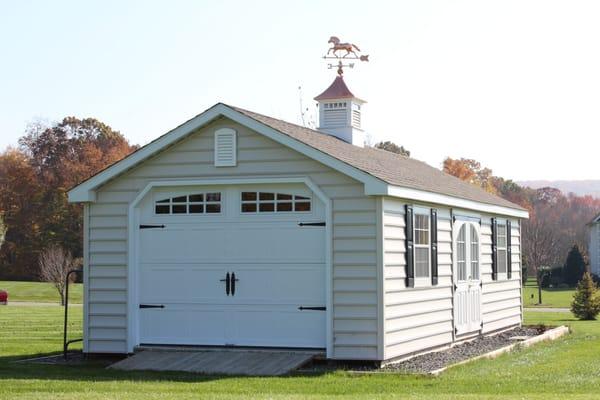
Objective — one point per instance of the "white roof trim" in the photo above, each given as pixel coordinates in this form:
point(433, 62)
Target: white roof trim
point(85, 192)
point(438, 198)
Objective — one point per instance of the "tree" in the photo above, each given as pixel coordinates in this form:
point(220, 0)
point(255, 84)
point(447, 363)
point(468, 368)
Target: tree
point(393, 147)
point(574, 266)
point(539, 244)
point(586, 301)
point(471, 171)
point(20, 194)
point(55, 263)
point(34, 181)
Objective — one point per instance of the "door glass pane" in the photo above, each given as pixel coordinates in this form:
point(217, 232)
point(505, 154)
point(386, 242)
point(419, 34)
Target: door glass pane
point(474, 254)
point(461, 254)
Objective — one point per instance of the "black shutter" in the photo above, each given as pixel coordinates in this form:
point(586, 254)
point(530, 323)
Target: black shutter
point(410, 262)
point(508, 250)
point(494, 249)
point(434, 247)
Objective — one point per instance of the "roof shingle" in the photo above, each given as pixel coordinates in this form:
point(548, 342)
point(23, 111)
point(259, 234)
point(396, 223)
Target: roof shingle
point(390, 167)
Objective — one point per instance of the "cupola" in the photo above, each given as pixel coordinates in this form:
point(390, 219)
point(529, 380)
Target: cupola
point(340, 113)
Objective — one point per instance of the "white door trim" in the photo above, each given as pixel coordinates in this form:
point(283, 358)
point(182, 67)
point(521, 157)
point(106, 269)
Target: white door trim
point(133, 337)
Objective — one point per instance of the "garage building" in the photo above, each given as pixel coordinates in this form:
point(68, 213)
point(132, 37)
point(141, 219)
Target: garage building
point(238, 229)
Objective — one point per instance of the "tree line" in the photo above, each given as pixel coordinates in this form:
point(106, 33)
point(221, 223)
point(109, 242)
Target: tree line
point(35, 177)
point(556, 230)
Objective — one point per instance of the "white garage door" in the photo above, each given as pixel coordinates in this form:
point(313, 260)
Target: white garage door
point(240, 266)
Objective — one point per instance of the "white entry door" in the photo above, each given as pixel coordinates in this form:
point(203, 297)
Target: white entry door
point(245, 268)
point(467, 277)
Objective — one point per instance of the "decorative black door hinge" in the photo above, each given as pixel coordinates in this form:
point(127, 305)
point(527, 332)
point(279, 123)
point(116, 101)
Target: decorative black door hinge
point(311, 223)
point(151, 226)
point(152, 306)
point(312, 308)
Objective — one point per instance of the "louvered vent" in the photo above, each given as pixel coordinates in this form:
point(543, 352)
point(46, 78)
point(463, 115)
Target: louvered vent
point(356, 118)
point(225, 148)
point(334, 118)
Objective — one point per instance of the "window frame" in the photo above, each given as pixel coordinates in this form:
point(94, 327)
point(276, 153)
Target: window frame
point(422, 281)
point(502, 225)
point(159, 200)
point(308, 199)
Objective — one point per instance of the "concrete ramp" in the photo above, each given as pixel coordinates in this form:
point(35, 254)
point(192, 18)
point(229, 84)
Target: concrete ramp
point(218, 362)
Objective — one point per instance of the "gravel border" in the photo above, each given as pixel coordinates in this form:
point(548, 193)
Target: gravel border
point(429, 362)
point(436, 361)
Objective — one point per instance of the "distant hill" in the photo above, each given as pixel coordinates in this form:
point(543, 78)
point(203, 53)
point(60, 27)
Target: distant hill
point(591, 187)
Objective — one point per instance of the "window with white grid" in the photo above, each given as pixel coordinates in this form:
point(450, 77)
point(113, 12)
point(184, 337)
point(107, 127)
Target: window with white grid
point(501, 247)
point(422, 245)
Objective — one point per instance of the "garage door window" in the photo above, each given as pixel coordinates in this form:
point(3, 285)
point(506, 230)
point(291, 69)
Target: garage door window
point(198, 203)
point(269, 202)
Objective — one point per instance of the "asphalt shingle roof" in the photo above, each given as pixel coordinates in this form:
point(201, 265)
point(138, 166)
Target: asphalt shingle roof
point(390, 167)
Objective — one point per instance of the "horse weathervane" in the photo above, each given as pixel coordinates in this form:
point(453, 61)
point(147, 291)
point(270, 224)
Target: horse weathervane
point(351, 54)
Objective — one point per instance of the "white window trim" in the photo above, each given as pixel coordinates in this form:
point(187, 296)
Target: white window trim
point(502, 275)
point(422, 281)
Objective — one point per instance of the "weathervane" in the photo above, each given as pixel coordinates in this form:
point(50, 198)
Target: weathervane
point(351, 54)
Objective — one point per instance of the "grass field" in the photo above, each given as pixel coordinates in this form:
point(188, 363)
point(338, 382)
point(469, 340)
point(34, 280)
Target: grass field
point(550, 297)
point(46, 293)
point(41, 292)
point(566, 369)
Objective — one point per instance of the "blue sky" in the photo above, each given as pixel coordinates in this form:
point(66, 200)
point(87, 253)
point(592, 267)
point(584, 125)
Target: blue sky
point(514, 84)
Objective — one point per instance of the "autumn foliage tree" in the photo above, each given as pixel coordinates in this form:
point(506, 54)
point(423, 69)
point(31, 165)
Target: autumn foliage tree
point(34, 181)
point(556, 221)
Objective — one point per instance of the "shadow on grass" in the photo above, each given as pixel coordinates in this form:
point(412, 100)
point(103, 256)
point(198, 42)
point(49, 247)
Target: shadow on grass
point(94, 369)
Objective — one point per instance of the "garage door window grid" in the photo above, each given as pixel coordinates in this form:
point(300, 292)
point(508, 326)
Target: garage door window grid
point(198, 203)
point(261, 202)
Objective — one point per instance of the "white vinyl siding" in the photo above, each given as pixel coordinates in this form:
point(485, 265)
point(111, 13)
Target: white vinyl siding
point(501, 298)
point(420, 318)
point(594, 248)
point(417, 318)
point(354, 286)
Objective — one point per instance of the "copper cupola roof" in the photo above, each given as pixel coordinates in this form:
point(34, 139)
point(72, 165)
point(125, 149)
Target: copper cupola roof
point(337, 90)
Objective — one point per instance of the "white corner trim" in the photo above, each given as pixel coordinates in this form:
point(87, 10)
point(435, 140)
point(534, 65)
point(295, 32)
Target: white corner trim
point(85, 192)
point(437, 198)
point(132, 235)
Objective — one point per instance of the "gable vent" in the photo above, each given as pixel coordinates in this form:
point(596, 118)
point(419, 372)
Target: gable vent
point(225, 148)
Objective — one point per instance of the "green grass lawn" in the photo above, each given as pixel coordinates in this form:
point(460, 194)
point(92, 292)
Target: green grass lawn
point(39, 292)
point(566, 369)
point(550, 297)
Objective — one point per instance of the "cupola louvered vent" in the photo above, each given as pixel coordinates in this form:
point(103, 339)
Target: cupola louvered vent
point(225, 148)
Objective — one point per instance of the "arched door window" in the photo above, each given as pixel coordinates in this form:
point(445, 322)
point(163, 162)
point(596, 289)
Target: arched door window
point(467, 252)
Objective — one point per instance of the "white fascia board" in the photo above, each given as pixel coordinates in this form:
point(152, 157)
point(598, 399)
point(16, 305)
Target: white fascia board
point(437, 198)
point(85, 192)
